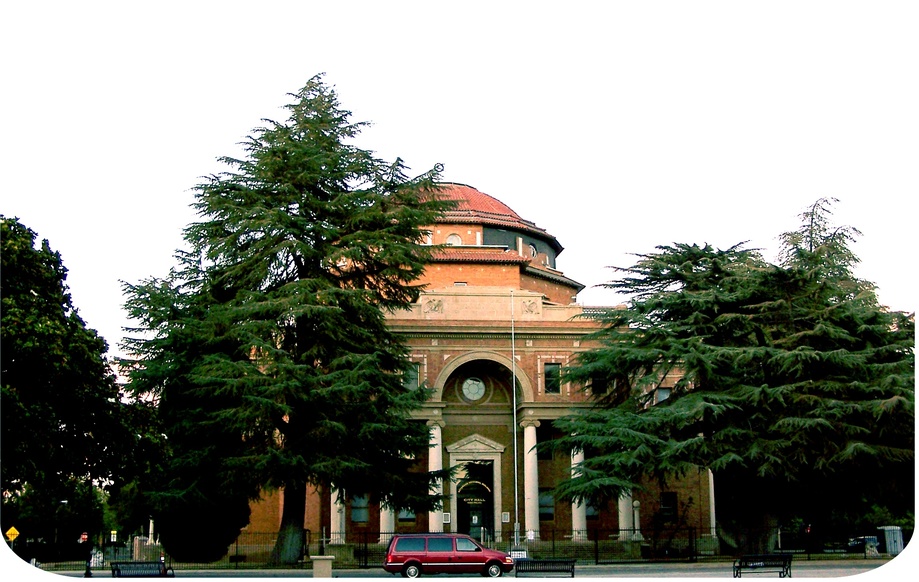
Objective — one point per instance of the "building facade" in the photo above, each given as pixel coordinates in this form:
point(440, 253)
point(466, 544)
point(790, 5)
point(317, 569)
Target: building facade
point(497, 313)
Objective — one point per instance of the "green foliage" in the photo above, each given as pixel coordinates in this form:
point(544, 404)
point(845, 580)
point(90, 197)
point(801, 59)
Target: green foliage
point(789, 381)
point(64, 424)
point(267, 348)
point(56, 512)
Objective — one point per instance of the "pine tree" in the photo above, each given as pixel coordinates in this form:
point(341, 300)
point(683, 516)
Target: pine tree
point(795, 389)
point(277, 317)
point(193, 483)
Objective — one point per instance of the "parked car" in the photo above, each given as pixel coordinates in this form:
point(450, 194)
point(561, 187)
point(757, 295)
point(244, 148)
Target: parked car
point(415, 554)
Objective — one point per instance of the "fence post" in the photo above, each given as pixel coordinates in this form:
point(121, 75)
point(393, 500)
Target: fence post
point(693, 545)
point(596, 547)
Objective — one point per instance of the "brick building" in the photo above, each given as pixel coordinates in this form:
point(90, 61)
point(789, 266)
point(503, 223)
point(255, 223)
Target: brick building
point(497, 311)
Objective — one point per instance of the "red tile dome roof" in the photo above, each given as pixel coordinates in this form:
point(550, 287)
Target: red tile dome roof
point(475, 207)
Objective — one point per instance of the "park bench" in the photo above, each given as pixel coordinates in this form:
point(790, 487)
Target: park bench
point(140, 570)
point(763, 564)
point(540, 566)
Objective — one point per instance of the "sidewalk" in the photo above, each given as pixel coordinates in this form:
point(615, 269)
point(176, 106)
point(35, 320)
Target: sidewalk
point(719, 569)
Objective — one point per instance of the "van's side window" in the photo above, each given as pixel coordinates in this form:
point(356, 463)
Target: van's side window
point(464, 545)
point(410, 545)
point(440, 544)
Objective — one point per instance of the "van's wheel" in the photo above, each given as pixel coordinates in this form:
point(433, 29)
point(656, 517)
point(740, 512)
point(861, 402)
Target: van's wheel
point(411, 571)
point(493, 570)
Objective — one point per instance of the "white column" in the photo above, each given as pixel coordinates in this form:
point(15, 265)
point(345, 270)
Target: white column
point(337, 535)
point(387, 524)
point(530, 480)
point(709, 540)
point(626, 522)
point(578, 510)
point(711, 501)
point(436, 463)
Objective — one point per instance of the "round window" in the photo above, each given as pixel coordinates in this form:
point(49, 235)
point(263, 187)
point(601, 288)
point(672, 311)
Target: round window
point(473, 389)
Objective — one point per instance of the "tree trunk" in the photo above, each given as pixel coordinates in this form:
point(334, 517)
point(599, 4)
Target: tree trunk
point(289, 547)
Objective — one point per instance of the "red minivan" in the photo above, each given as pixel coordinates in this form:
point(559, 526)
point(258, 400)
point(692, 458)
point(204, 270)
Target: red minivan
point(415, 554)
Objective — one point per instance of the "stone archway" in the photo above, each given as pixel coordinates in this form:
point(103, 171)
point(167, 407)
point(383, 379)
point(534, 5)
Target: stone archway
point(523, 381)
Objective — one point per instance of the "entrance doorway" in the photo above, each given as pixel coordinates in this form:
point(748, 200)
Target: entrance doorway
point(475, 500)
point(478, 462)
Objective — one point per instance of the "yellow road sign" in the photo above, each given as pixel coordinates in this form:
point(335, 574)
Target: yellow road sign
point(12, 534)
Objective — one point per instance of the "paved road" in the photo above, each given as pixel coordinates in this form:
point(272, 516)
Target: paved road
point(800, 569)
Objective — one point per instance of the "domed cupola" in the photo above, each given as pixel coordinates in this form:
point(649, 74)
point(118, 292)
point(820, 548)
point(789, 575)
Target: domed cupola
point(490, 245)
point(475, 207)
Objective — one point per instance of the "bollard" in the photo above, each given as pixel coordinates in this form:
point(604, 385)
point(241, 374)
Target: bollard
point(322, 566)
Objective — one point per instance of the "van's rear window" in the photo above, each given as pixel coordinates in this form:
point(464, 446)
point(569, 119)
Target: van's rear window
point(410, 545)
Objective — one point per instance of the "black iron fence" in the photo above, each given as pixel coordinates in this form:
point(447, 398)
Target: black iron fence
point(362, 549)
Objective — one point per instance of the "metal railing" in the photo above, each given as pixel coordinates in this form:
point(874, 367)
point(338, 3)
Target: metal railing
point(367, 549)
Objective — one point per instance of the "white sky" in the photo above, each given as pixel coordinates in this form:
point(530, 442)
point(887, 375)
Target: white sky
point(617, 126)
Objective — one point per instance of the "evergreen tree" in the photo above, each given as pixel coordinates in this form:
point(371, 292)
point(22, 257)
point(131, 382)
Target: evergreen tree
point(191, 483)
point(64, 424)
point(271, 349)
point(796, 389)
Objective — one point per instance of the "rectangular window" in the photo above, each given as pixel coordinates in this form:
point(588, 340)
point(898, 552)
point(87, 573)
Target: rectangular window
point(406, 516)
point(592, 512)
point(553, 376)
point(412, 376)
point(661, 394)
point(668, 506)
point(599, 385)
point(360, 512)
point(543, 434)
point(440, 544)
point(410, 545)
point(546, 506)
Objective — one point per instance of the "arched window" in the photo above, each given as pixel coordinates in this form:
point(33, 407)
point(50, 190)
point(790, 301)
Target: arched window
point(454, 240)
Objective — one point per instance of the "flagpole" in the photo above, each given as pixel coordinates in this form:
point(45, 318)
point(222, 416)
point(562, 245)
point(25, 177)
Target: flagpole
point(514, 432)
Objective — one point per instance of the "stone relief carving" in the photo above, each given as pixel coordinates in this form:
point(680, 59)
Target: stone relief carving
point(530, 306)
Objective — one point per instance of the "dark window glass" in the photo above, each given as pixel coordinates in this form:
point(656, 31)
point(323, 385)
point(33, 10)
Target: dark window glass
point(410, 545)
point(411, 376)
point(546, 506)
point(668, 506)
point(599, 384)
point(592, 512)
point(553, 374)
point(543, 434)
point(360, 513)
point(440, 544)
